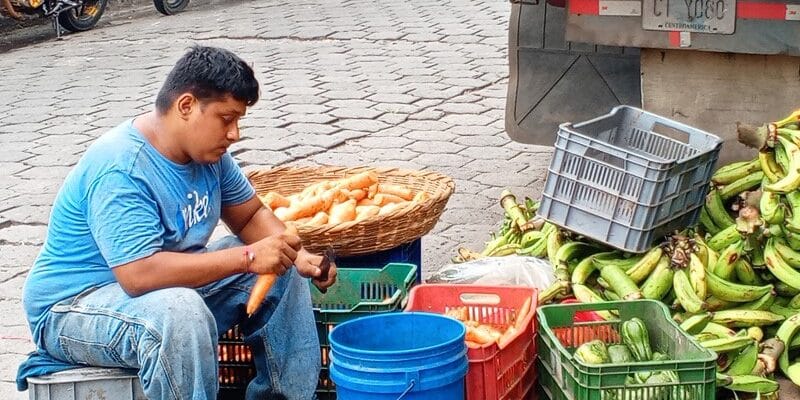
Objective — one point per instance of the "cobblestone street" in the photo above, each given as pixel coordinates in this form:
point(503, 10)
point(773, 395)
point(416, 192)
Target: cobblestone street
point(413, 84)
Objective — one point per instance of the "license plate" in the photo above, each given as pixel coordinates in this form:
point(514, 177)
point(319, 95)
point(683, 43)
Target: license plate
point(705, 16)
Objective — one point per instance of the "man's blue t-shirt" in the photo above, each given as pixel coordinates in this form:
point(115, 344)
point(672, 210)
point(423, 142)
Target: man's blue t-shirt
point(124, 201)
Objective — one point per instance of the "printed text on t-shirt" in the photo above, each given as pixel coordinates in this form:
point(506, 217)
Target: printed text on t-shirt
point(197, 212)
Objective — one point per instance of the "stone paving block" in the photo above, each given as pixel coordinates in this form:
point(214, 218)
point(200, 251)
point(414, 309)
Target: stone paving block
point(304, 151)
point(381, 142)
point(470, 235)
point(424, 135)
point(492, 141)
point(455, 216)
point(444, 160)
point(397, 108)
point(23, 199)
point(453, 107)
point(468, 119)
point(422, 79)
point(263, 157)
point(318, 140)
point(16, 157)
point(488, 153)
point(312, 128)
point(427, 114)
point(505, 179)
point(345, 94)
point(393, 154)
point(23, 235)
point(359, 113)
point(17, 257)
point(367, 125)
point(331, 158)
point(433, 245)
point(63, 159)
point(435, 147)
point(28, 215)
point(393, 119)
point(470, 130)
point(42, 173)
point(393, 98)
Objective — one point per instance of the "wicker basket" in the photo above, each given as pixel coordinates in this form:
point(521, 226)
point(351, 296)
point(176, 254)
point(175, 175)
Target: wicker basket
point(373, 234)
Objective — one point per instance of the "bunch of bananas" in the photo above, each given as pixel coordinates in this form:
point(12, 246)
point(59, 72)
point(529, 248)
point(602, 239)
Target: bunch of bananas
point(522, 232)
point(738, 269)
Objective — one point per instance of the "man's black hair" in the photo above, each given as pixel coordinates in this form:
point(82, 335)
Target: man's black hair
point(209, 73)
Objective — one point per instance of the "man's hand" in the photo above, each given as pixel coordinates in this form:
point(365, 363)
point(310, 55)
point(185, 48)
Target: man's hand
point(275, 254)
point(307, 265)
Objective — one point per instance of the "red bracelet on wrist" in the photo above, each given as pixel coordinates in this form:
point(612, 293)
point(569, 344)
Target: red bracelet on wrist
point(249, 257)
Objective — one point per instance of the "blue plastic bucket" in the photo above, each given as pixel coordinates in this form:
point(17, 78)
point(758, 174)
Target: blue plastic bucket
point(408, 356)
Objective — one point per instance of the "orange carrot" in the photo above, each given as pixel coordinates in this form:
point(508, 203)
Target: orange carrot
point(310, 206)
point(342, 212)
point(522, 313)
point(321, 218)
point(473, 345)
point(383, 199)
point(397, 190)
point(372, 191)
point(507, 337)
point(259, 292)
point(366, 202)
point(357, 194)
point(274, 200)
point(315, 188)
point(281, 213)
point(421, 197)
point(364, 212)
point(392, 207)
point(360, 180)
point(479, 335)
point(459, 313)
point(263, 285)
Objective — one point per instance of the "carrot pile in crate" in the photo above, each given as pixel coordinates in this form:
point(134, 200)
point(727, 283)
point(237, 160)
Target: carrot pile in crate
point(500, 334)
point(355, 198)
point(479, 334)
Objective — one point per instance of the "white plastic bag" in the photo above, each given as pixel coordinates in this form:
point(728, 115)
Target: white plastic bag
point(498, 271)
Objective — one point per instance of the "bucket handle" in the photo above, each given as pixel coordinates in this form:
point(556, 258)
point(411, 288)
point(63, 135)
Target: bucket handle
point(408, 389)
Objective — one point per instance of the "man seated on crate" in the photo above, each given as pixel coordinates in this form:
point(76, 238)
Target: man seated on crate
point(126, 278)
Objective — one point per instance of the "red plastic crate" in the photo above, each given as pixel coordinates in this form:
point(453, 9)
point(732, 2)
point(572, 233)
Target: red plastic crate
point(494, 373)
point(583, 316)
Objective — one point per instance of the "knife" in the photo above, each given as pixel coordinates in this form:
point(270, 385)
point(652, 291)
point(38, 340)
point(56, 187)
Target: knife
point(325, 265)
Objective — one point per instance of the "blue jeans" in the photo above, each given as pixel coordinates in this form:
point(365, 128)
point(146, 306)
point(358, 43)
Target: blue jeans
point(170, 335)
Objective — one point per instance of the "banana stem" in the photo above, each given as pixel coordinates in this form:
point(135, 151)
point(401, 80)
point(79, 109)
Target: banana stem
point(512, 209)
point(756, 137)
point(771, 350)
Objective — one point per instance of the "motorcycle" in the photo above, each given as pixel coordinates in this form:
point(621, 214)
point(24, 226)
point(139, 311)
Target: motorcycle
point(170, 7)
point(72, 15)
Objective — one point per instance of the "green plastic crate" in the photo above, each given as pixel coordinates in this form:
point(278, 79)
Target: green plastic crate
point(358, 292)
point(564, 378)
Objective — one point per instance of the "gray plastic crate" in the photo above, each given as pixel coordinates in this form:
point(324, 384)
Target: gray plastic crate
point(628, 177)
point(87, 384)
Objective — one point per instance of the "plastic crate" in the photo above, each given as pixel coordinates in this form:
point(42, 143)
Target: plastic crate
point(236, 367)
point(563, 378)
point(358, 292)
point(494, 373)
point(86, 383)
point(407, 253)
point(628, 178)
